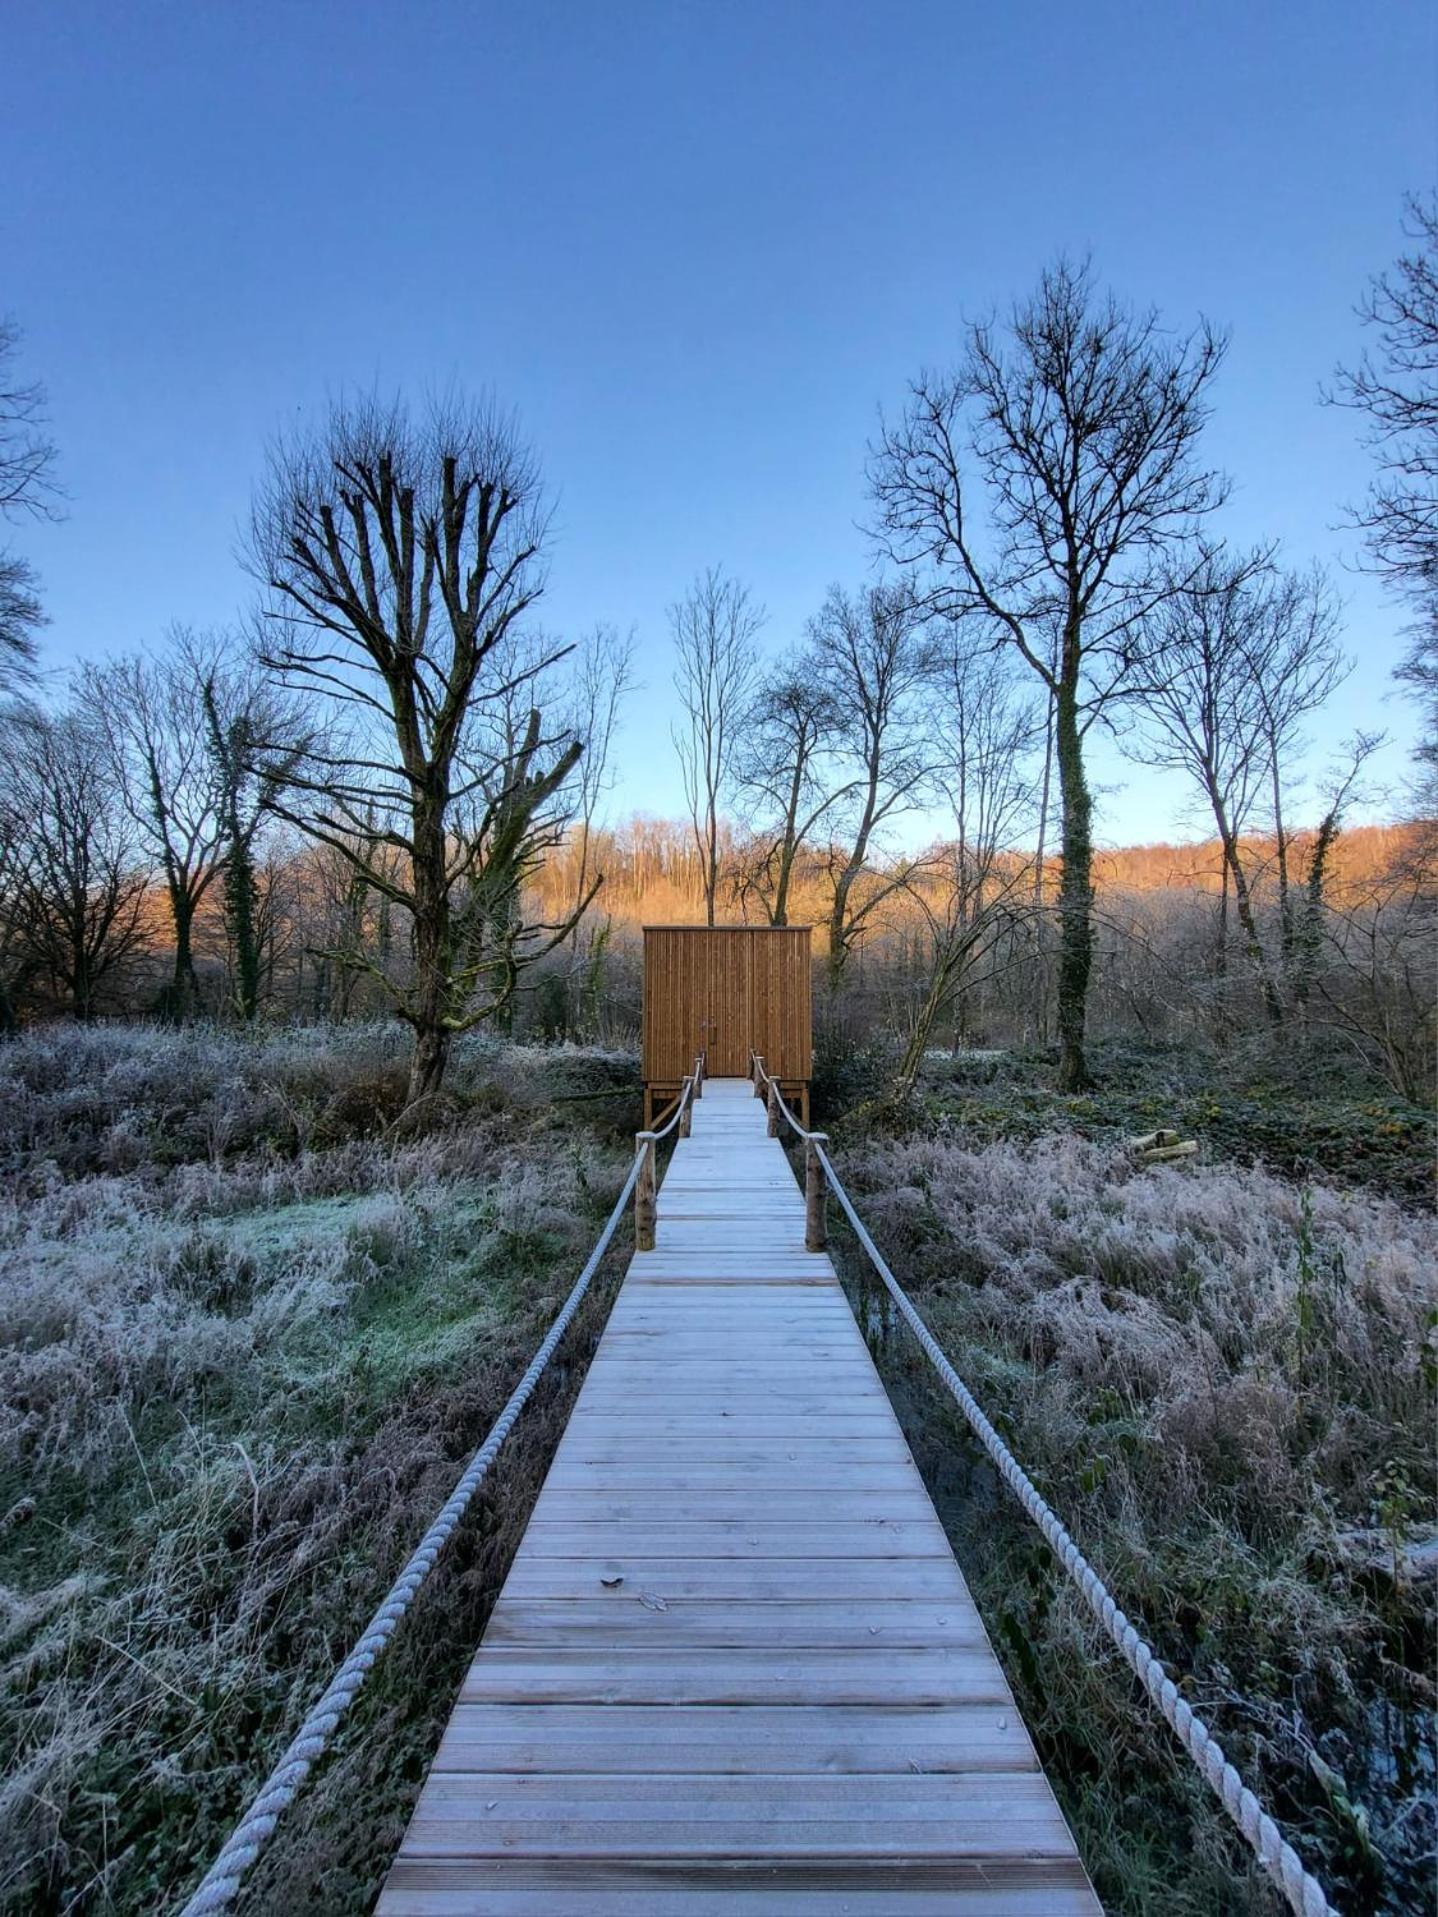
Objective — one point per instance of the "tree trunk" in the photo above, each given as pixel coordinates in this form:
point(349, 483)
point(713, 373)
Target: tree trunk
point(1243, 901)
point(1044, 791)
point(1075, 889)
point(1285, 903)
point(185, 986)
point(1308, 936)
point(918, 1040)
point(431, 952)
point(427, 1067)
point(240, 910)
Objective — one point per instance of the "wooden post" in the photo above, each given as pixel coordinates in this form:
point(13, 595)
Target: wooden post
point(699, 1076)
point(816, 1231)
point(758, 1076)
point(685, 1109)
point(773, 1109)
point(645, 1210)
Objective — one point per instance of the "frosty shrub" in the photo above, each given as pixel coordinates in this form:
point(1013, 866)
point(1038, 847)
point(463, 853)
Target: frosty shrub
point(122, 1098)
point(1225, 1382)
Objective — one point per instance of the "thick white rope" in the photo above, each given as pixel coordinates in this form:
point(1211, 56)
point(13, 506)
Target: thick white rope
point(217, 1890)
point(1302, 1890)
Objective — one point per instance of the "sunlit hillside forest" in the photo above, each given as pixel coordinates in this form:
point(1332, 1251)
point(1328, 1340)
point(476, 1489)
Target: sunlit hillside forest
point(321, 977)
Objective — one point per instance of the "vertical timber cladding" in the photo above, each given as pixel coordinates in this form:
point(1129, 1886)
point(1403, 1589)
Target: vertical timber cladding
point(724, 991)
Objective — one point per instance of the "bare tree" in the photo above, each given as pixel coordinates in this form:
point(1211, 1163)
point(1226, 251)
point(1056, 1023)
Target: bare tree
point(76, 880)
point(975, 890)
point(153, 711)
point(603, 675)
point(27, 491)
point(1236, 656)
point(601, 681)
point(871, 655)
point(1299, 666)
point(788, 783)
point(1397, 388)
point(1371, 957)
point(714, 627)
point(400, 555)
point(254, 743)
point(1078, 424)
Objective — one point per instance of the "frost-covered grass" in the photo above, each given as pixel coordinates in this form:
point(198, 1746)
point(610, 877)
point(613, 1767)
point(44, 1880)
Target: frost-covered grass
point(1225, 1382)
point(247, 1334)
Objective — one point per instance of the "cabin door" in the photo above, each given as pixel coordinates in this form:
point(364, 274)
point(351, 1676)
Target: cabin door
point(724, 1034)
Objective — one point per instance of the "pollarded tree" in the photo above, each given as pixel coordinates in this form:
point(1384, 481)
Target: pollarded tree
point(400, 555)
point(1043, 485)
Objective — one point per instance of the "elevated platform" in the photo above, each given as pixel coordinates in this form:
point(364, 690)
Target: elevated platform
point(735, 1667)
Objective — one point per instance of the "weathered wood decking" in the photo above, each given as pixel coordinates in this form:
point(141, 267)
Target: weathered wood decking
point(734, 1667)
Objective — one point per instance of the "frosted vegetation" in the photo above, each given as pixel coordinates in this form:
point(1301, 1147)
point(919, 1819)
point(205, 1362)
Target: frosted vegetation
point(251, 1323)
point(245, 1338)
point(1225, 1382)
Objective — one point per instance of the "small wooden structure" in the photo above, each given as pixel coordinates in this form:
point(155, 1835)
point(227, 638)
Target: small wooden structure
point(726, 991)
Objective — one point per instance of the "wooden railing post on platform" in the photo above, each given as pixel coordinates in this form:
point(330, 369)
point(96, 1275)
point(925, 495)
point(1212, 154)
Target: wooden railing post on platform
point(816, 1228)
point(644, 1205)
point(773, 1109)
point(758, 1075)
point(686, 1104)
point(698, 1077)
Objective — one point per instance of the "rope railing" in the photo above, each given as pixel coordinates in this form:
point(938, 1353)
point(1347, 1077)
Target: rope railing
point(218, 1888)
point(816, 1226)
point(1302, 1891)
point(646, 1201)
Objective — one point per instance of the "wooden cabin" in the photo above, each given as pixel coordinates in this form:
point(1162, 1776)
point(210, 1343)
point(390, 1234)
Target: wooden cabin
point(726, 991)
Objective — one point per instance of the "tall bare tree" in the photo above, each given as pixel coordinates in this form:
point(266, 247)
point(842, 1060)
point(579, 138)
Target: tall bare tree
point(714, 627)
point(1204, 713)
point(787, 779)
point(1299, 666)
point(400, 554)
point(602, 678)
point(1396, 387)
point(27, 491)
point(871, 655)
point(1076, 427)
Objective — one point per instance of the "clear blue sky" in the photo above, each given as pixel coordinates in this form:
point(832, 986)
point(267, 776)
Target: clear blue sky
point(695, 245)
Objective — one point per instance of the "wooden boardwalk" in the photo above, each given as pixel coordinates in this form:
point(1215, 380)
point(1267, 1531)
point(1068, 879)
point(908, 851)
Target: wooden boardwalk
point(734, 1667)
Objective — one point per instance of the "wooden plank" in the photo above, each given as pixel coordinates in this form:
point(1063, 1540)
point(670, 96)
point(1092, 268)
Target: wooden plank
point(645, 1611)
point(662, 1887)
point(734, 1662)
point(753, 1739)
